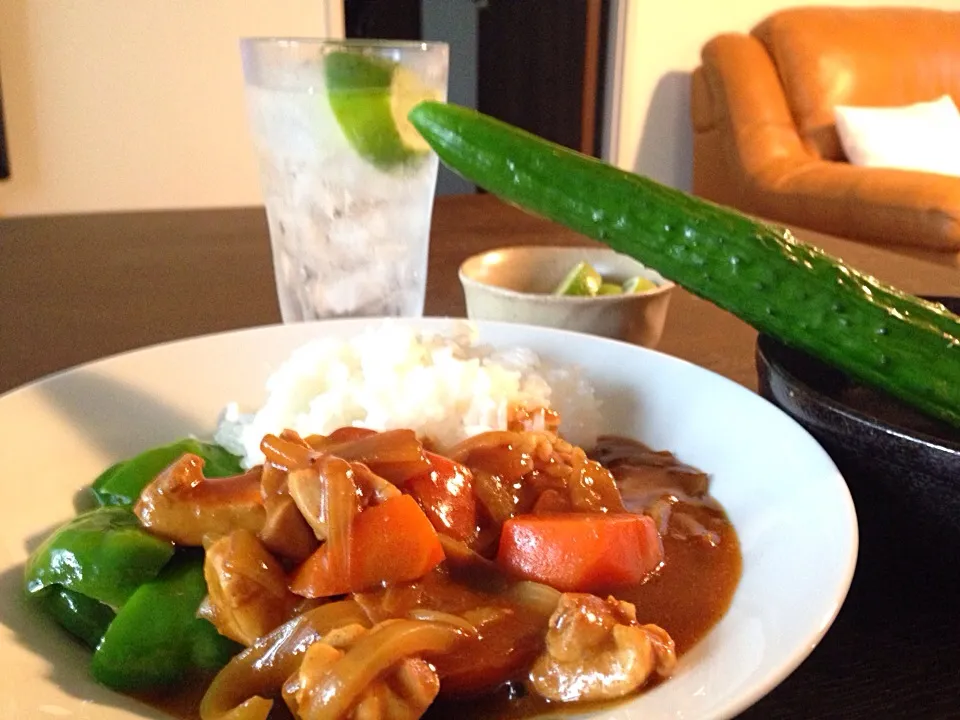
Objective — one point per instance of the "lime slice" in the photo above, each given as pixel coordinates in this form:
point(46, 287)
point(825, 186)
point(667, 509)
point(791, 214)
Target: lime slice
point(582, 280)
point(639, 284)
point(370, 98)
point(610, 289)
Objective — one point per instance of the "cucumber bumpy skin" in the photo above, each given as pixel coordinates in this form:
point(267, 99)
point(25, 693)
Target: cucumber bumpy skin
point(759, 272)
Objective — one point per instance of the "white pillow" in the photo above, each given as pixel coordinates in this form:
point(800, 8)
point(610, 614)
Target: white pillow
point(924, 137)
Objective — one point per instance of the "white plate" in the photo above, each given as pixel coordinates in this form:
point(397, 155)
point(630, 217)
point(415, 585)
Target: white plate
point(787, 500)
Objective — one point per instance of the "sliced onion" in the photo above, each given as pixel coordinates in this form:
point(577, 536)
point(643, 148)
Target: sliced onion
point(285, 453)
point(591, 486)
point(373, 654)
point(396, 455)
point(541, 599)
point(482, 441)
point(241, 690)
point(340, 507)
point(494, 494)
point(439, 616)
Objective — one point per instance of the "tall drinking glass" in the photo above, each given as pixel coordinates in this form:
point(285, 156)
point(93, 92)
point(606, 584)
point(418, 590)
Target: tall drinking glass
point(347, 182)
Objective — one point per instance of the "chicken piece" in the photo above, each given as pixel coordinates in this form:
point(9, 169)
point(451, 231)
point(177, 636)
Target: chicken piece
point(373, 488)
point(596, 650)
point(326, 488)
point(404, 692)
point(248, 595)
point(285, 533)
point(185, 507)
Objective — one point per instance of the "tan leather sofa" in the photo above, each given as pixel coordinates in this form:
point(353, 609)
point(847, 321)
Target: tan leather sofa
point(765, 141)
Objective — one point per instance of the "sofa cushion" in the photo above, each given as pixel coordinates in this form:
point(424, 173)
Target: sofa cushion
point(862, 57)
point(924, 136)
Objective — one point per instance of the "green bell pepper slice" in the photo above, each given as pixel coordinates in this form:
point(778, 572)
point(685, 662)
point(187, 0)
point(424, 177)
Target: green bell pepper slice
point(121, 484)
point(103, 554)
point(84, 617)
point(157, 638)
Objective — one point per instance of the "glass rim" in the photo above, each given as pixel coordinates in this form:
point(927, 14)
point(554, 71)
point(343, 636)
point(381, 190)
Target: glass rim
point(381, 44)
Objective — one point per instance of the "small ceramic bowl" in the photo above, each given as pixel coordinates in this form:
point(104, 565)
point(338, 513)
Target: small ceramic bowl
point(515, 284)
point(903, 468)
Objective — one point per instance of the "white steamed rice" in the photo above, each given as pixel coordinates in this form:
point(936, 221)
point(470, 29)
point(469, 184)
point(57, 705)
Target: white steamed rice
point(446, 388)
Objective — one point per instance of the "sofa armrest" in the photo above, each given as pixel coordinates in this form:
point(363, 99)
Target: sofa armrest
point(879, 205)
point(742, 125)
point(746, 96)
point(748, 154)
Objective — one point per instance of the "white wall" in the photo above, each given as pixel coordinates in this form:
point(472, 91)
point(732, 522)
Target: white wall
point(660, 47)
point(134, 104)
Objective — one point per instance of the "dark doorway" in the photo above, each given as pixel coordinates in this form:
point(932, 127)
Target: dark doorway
point(387, 19)
point(539, 65)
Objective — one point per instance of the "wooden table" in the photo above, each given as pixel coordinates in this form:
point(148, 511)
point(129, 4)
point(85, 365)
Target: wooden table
point(77, 288)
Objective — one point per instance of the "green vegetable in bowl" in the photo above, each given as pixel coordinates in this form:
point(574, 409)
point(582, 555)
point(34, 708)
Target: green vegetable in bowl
point(121, 484)
point(638, 284)
point(759, 272)
point(583, 280)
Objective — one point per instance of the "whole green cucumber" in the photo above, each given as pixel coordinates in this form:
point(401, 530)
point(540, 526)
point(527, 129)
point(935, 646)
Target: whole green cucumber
point(757, 271)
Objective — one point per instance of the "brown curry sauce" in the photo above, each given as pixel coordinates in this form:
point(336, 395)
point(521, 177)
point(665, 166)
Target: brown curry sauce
point(687, 596)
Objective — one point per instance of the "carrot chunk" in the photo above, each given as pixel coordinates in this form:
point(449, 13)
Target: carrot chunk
point(389, 543)
point(581, 552)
